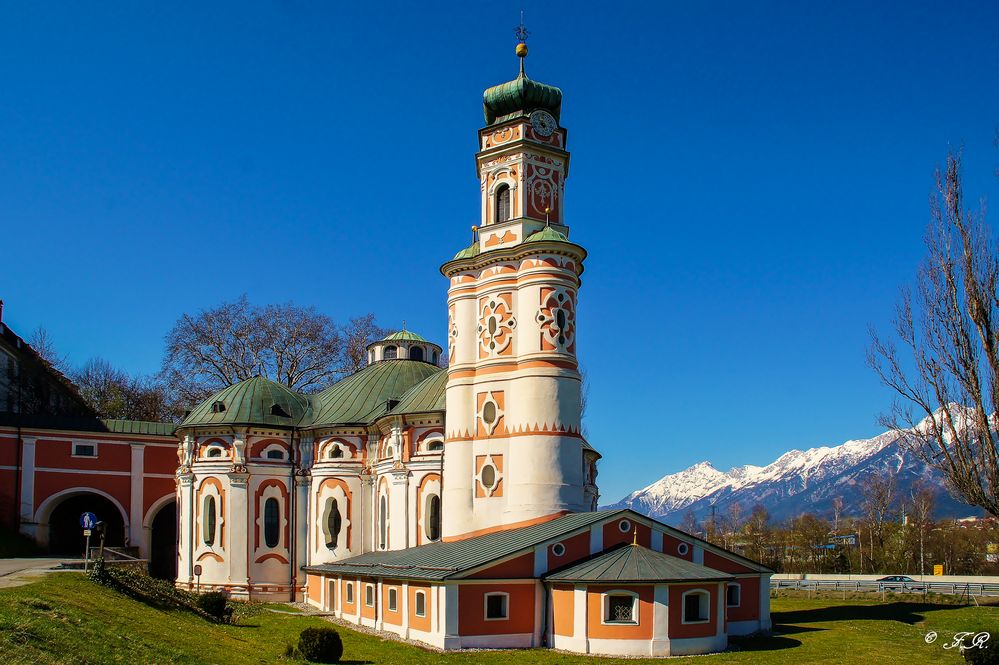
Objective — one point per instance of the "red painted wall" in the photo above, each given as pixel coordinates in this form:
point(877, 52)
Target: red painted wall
point(472, 612)
point(576, 548)
point(749, 605)
point(614, 536)
point(677, 628)
point(516, 568)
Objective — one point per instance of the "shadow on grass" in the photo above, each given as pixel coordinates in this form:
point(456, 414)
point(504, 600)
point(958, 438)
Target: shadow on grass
point(764, 643)
point(910, 613)
point(792, 630)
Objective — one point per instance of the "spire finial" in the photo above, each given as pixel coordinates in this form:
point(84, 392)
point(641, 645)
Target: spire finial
point(404, 324)
point(634, 541)
point(522, 34)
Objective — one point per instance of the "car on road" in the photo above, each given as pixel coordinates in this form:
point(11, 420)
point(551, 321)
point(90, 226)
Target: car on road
point(899, 582)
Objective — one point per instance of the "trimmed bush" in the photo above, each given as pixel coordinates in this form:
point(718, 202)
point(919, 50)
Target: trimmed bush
point(320, 645)
point(216, 604)
point(980, 656)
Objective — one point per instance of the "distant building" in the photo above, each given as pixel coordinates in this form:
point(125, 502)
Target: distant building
point(58, 460)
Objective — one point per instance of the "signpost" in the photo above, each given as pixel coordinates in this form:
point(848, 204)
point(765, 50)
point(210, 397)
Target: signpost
point(197, 573)
point(87, 522)
point(938, 569)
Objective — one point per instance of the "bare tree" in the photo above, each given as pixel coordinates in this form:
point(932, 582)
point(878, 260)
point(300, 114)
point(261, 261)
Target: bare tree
point(293, 345)
point(112, 393)
point(44, 346)
point(878, 490)
point(356, 335)
point(921, 511)
point(950, 330)
point(837, 506)
point(689, 523)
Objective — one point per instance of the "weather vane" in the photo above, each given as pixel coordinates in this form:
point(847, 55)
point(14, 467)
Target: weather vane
point(521, 30)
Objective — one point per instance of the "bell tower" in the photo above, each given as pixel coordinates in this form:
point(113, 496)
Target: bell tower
point(514, 453)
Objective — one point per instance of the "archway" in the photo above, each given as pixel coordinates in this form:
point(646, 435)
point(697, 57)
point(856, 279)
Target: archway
point(64, 531)
point(163, 543)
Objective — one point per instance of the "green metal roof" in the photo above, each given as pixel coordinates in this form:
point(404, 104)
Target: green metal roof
point(635, 563)
point(425, 397)
point(519, 97)
point(438, 561)
point(140, 427)
point(468, 252)
point(547, 233)
point(252, 402)
point(405, 336)
point(364, 396)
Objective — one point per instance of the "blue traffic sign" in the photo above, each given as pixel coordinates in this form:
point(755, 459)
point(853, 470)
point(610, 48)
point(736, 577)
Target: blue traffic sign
point(88, 520)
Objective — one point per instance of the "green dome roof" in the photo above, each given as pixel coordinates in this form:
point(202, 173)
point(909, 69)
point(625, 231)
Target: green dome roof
point(256, 401)
point(403, 335)
point(364, 396)
point(547, 233)
point(519, 97)
point(425, 397)
point(468, 252)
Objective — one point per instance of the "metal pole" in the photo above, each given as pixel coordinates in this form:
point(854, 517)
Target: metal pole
point(86, 554)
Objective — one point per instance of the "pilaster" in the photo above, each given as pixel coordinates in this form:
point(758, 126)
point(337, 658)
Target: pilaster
point(136, 535)
point(238, 530)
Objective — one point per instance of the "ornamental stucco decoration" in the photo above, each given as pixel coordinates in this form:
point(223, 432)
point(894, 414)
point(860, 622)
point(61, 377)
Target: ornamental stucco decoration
point(496, 325)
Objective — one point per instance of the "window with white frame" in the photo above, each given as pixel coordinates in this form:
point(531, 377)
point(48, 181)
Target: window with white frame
point(620, 607)
point(497, 606)
point(696, 606)
point(733, 594)
point(213, 451)
point(369, 595)
point(421, 604)
point(349, 593)
point(209, 518)
point(393, 600)
point(84, 450)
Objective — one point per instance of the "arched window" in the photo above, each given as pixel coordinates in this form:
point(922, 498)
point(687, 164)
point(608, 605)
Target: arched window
point(336, 452)
point(208, 521)
point(502, 203)
point(435, 358)
point(334, 522)
point(275, 454)
point(390, 353)
point(272, 522)
point(214, 452)
point(416, 353)
point(433, 520)
point(382, 522)
point(435, 445)
point(696, 606)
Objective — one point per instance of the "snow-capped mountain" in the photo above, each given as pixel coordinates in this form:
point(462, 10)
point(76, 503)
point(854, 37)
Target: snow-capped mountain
point(797, 482)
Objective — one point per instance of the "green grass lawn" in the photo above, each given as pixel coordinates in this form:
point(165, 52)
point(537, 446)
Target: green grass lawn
point(65, 618)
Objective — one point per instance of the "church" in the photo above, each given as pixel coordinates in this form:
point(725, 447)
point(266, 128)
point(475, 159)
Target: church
point(457, 507)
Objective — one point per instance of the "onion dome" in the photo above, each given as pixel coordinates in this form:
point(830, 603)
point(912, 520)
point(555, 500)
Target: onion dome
point(369, 394)
point(520, 96)
point(404, 335)
point(256, 401)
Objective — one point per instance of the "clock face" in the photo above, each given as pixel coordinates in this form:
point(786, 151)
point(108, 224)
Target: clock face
point(543, 123)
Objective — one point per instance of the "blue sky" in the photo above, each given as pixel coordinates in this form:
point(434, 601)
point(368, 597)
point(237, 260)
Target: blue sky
point(750, 180)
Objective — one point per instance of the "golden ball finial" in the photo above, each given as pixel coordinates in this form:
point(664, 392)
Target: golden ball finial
point(521, 50)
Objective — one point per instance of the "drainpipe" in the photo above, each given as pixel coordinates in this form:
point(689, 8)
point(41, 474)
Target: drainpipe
point(544, 613)
point(293, 521)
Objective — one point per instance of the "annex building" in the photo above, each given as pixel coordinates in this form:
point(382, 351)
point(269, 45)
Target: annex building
point(457, 506)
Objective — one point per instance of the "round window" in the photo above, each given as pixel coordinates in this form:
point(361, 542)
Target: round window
point(488, 475)
point(682, 549)
point(558, 549)
point(489, 413)
point(624, 526)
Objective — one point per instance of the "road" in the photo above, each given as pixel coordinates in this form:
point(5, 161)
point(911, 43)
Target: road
point(16, 572)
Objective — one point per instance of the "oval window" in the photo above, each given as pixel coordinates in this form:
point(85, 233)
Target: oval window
point(624, 526)
point(433, 517)
point(682, 549)
point(489, 412)
point(334, 522)
point(558, 549)
point(272, 522)
point(488, 475)
point(209, 521)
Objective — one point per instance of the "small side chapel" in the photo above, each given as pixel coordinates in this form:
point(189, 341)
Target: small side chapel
point(458, 506)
